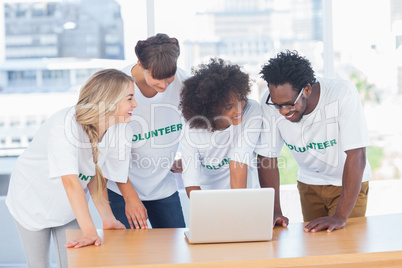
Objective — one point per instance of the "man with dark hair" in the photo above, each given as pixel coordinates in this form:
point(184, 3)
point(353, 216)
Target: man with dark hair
point(322, 123)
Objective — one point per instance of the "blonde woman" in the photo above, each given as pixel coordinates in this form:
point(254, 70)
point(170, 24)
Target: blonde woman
point(74, 151)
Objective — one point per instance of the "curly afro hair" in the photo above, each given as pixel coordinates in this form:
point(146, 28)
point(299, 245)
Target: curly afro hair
point(288, 67)
point(209, 90)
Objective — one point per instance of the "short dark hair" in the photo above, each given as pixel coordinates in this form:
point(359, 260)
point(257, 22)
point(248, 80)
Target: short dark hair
point(208, 91)
point(159, 54)
point(288, 67)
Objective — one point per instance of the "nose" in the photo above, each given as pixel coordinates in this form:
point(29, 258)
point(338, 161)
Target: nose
point(239, 106)
point(165, 83)
point(134, 103)
point(284, 111)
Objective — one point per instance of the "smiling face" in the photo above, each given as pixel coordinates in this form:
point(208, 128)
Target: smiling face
point(126, 106)
point(232, 113)
point(285, 95)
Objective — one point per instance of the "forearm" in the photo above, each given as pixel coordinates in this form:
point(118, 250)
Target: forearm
point(102, 205)
point(351, 182)
point(128, 192)
point(268, 174)
point(238, 175)
point(136, 212)
point(191, 188)
point(78, 202)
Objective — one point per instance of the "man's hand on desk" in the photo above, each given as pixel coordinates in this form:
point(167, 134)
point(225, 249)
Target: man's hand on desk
point(280, 220)
point(330, 223)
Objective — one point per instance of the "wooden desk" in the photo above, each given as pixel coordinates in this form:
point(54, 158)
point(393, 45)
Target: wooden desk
point(365, 242)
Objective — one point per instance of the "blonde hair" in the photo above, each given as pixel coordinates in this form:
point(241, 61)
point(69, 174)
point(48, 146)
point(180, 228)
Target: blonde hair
point(100, 97)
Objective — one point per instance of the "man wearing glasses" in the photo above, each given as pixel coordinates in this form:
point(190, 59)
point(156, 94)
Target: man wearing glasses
point(322, 123)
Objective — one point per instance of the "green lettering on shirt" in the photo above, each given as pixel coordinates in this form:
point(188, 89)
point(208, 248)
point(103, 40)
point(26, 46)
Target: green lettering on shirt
point(157, 132)
point(312, 146)
point(225, 161)
point(85, 177)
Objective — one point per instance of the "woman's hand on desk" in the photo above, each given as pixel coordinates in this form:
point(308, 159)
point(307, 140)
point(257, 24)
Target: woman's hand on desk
point(330, 223)
point(113, 224)
point(136, 214)
point(280, 220)
point(86, 240)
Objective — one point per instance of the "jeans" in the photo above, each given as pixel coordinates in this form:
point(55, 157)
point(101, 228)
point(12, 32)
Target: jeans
point(162, 213)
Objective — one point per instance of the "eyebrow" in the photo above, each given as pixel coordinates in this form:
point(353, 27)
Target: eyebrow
point(286, 103)
point(270, 99)
point(229, 104)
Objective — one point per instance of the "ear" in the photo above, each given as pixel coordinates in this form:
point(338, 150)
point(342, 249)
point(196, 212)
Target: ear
point(308, 90)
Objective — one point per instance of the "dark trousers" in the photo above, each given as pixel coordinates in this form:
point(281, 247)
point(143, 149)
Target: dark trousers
point(162, 213)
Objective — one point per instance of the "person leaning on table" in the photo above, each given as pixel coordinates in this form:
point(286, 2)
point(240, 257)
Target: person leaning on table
point(152, 189)
point(76, 149)
point(322, 123)
point(222, 128)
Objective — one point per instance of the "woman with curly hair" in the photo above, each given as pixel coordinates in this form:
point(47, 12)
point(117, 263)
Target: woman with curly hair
point(222, 128)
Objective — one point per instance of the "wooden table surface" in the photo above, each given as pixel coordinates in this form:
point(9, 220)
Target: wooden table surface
point(374, 241)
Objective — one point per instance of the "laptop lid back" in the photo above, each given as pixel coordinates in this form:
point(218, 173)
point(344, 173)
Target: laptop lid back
point(231, 215)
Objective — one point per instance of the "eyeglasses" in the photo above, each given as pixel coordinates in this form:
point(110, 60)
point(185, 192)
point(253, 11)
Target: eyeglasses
point(290, 107)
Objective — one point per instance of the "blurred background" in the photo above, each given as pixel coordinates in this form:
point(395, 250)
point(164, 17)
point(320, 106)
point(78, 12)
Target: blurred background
point(49, 48)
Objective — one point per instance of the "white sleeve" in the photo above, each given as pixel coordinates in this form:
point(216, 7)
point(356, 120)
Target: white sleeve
point(352, 122)
point(270, 142)
point(62, 153)
point(190, 160)
point(118, 159)
point(249, 134)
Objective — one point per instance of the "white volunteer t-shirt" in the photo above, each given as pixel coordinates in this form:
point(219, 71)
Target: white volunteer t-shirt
point(157, 125)
point(36, 197)
point(206, 155)
point(319, 141)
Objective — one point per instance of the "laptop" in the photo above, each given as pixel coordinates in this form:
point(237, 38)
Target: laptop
point(231, 215)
